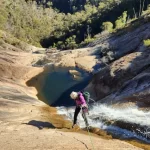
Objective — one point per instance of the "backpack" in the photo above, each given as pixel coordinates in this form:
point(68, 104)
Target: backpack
point(86, 96)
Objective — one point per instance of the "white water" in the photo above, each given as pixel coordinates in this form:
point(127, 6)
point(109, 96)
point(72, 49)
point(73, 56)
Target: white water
point(99, 112)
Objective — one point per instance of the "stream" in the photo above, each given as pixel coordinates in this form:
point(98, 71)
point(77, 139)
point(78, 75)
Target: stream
point(123, 123)
point(100, 114)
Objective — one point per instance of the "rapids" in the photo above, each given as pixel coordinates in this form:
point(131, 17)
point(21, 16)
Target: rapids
point(100, 113)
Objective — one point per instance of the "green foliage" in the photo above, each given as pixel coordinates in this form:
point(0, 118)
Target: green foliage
point(10, 39)
point(101, 6)
point(146, 11)
point(121, 21)
point(3, 17)
point(26, 21)
point(39, 22)
point(124, 17)
point(71, 42)
point(107, 26)
point(86, 41)
point(147, 42)
point(59, 45)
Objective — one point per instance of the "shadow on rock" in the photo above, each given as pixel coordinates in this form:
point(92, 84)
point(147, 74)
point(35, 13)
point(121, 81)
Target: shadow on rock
point(40, 124)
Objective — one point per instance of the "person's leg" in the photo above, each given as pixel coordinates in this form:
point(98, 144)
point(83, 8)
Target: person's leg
point(84, 115)
point(77, 110)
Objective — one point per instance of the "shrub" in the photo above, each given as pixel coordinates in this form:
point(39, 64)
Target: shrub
point(147, 42)
point(86, 41)
point(121, 21)
point(107, 26)
point(71, 42)
point(89, 40)
point(59, 45)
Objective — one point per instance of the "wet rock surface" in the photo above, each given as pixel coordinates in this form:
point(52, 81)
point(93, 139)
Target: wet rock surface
point(26, 122)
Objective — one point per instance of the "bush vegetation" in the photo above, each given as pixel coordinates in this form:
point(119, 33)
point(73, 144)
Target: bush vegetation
point(65, 24)
point(121, 21)
point(147, 42)
point(107, 26)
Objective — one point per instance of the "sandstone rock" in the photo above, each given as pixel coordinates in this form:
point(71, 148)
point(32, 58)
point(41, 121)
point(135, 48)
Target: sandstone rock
point(119, 76)
point(22, 115)
point(76, 75)
point(75, 72)
point(86, 62)
point(125, 43)
point(85, 58)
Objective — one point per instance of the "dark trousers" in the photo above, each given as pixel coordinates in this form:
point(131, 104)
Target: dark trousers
point(77, 110)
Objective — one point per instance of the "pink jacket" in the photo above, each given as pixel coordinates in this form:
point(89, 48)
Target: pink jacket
point(80, 100)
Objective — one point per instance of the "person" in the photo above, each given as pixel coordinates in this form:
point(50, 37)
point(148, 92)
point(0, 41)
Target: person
point(80, 104)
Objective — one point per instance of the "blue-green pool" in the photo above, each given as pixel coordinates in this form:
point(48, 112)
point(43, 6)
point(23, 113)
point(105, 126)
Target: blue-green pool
point(59, 84)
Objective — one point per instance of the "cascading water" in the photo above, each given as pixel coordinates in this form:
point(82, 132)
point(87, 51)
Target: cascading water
point(99, 114)
point(57, 89)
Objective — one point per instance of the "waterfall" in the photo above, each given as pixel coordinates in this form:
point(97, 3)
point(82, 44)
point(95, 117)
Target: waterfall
point(99, 113)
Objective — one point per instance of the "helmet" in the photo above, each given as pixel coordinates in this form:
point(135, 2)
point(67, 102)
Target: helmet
point(74, 95)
